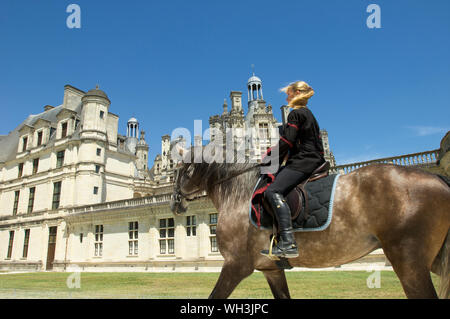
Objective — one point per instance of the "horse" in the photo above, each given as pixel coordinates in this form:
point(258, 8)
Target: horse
point(403, 210)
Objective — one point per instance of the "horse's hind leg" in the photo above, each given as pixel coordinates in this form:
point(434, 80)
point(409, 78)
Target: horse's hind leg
point(413, 272)
point(278, 284)
point(230, 276)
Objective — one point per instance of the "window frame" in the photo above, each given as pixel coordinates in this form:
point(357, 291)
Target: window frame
point(64, 127)
point(16, 202)
point(133, 238)
point(166, 236)
point(56, 203)
point(98, 240)
point(26, 243)
point(60, 159)
point(191, 226)
point(40, 136)
point(20, 170)
point(24, 143)
point(10, 244)
point(35, 165)
point(31, 196)
point(212, 232)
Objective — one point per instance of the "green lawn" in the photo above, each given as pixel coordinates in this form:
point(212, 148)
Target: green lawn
point(303, 285)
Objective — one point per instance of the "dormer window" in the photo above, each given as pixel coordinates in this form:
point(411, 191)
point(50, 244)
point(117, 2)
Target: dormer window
point(24, 144)
point(39, 138)
point(63, 129)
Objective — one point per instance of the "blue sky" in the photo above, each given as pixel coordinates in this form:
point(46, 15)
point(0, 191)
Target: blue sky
point(379, 92)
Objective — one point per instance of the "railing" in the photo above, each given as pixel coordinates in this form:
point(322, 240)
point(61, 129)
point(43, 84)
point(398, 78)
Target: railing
point(125, 203)
point(422, 159)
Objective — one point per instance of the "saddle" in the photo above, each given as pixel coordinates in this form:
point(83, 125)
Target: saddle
point(297, 199)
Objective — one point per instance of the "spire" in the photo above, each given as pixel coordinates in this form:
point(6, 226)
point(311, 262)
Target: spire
point(225, 106)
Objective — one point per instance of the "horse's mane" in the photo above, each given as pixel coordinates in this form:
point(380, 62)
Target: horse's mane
point(228, 180)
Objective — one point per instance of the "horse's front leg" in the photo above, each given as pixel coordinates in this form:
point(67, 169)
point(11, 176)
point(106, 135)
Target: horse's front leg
point(231, 275)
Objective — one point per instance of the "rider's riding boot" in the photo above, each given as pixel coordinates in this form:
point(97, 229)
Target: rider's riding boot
point(285, 245)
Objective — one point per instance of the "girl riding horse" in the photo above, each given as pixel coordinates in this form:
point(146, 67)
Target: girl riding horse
point(302, 144)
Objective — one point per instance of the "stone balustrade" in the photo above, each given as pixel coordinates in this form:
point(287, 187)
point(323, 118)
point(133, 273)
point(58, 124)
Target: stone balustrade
point(422, 159)
point(126, 203)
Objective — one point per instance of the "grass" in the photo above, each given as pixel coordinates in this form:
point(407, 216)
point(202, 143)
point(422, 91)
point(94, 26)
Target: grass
point(303, 285)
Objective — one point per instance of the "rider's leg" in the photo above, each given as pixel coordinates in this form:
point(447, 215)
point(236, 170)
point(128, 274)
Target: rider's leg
point(275, 194)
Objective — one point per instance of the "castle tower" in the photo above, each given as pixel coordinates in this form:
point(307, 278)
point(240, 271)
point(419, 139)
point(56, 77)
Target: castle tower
point(142, 153)
point(92, 150)
point(225, 107)
point(165, 151)
point(236, 102)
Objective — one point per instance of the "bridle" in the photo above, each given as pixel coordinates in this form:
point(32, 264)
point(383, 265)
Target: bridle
point(178, 194)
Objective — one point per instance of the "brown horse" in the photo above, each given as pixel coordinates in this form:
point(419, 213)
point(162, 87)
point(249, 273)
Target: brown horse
point(405, 211)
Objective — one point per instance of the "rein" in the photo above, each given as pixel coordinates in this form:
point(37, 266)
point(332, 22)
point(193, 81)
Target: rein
point(179, 195)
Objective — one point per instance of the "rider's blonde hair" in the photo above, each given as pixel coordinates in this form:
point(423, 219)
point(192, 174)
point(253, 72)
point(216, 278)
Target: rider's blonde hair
point(302, 98)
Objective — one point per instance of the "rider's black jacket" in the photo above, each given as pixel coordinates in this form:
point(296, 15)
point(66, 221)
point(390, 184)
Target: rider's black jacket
point(301, 139)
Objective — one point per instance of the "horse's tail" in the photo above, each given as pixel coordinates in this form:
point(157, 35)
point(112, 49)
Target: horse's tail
point(444, 269)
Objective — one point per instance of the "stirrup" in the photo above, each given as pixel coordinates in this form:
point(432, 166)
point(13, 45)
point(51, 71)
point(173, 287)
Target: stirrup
point(270, 255)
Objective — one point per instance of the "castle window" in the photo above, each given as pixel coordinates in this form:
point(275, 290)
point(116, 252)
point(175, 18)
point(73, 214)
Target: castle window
point(10, 244)
point(263, 131)
point(102, 114)
point(99, 151)
point(24, 144)
point(26, 241)
point(20, 170)
point(95, 190)
point(133, 238)
point(212, 232)
point(98, 244)
point(60, 159)
point(191, 226)
point(81, 238)
point(16, 202)
point(35, 165)
point(97, 169)
point(64, 130)
point(167, 236)
point(39, 138)
point(56, 195)
point(31, 199)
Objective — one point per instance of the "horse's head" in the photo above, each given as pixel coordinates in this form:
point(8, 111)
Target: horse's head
point(187, 184)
